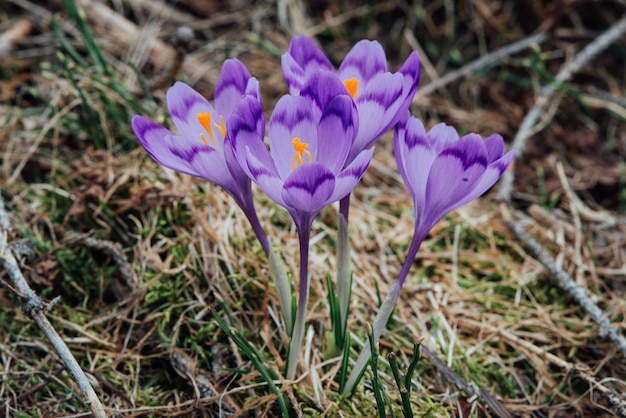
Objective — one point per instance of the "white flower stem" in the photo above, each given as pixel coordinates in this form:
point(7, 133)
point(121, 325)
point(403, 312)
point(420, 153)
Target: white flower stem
point(303, 296)
point(384, 313)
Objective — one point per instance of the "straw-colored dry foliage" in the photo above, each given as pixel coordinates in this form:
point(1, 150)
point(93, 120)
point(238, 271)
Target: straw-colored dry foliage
point(141, 256)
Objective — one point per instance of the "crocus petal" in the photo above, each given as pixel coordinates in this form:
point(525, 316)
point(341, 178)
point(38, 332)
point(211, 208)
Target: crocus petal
point(231, 86)
point(265, 176)
point(246, 131)
point(293, 73)
point(410, 71)
point(377, 107)
point(308, 55)
point(184, 104)
point(495, 147)
point(152, 137)
point(414, 156)
point(350, 176)
point(320, 88)
point(292, 118)
point(492, 173)
point(441, 136)
point(308, 188)
point(336, 131)
point(253, 89)
point(453, 174)
point(364, 61)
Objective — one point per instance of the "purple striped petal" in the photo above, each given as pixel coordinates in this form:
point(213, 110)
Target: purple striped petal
point(231, 86)
point(410, 71)
point(308, 188)
point(293, 73)
point(265, 176)
point(495, 147)
point(493, 172)
point(246, 132)
point(414, 156)
point(378, 107)
point(320, 88)
point(308, 55)
point(184, 105)
point(152, 137)
point(453, 175)
point(441, 136)
point(292, 118)
point(350, 176)
point(336, 131)
point(364, 61)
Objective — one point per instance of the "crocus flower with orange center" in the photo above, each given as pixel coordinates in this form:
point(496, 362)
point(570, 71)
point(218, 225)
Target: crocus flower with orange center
point(382, 98)
point(202, 147)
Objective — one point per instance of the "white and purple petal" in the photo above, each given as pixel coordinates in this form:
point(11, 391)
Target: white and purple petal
point(308, 188)
point(320, 88)
point(231, 86)
point(265, 177)
point(158, 143)
point(308, 55)
point(414, 156)
point(292, 118)
point(365, 60)
point(335, 132)
point(184, 104)
point(453, 175)
point(347, 179)
point(378, 107)
point(246, 130)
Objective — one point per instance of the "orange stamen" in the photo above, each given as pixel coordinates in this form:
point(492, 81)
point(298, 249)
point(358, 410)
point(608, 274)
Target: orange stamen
point(352, 85)
point(300, 148)
point(205, 121)
point(221, 127)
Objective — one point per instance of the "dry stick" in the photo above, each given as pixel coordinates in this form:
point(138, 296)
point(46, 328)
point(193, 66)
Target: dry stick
point(36, 309)
point(618, 405)
point(452, 377)
point(480, 63)
point(606, 329)
point(582, 58)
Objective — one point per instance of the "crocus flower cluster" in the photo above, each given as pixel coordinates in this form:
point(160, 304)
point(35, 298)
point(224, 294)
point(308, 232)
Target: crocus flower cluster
point(321, 138)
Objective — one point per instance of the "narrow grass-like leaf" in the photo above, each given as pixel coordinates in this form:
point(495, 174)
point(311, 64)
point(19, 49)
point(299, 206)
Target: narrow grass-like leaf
point(94, 51)
point(66, 44)
point(375, 383)
point(417, 355)
point(268, 375)
point(345, 359)
point(404, 394)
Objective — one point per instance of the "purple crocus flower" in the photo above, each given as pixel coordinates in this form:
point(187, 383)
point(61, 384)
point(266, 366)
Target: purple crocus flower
point(203, 147)
point(305, 169)
point(382, 98)
point(443, 172)
point(310, 138)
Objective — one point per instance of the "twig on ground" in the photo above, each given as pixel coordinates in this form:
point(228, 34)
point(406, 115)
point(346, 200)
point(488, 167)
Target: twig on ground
point(581, 59)
point(494, 56)
point(36, 309)
point(452, 377)
point(606, 329)
point(617, 403)
point(113, 249)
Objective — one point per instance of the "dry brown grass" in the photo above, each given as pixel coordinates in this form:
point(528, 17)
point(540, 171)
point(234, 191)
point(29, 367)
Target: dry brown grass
point(486, 307)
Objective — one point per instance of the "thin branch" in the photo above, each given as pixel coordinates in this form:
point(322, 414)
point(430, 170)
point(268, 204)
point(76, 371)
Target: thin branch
point(581, 59)
point(452, 377)
point(606, 329)
point(35, 308)
point(494, 56)
point(615, 399)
